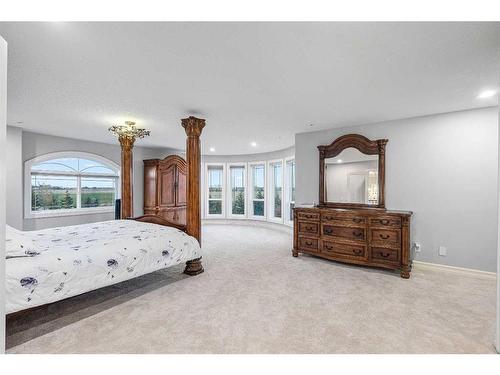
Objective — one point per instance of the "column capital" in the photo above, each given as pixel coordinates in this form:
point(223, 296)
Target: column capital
point(126, 142)
point(193, 126)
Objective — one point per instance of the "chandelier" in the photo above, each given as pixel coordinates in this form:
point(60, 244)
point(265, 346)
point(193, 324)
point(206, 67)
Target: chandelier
point(129, 131)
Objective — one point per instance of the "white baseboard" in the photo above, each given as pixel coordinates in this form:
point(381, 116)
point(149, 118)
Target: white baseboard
point(260, 223)
point(423, 265)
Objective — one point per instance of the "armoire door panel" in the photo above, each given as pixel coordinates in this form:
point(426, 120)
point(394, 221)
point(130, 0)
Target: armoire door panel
point(150, 185)
point(166, 187)
point(181, 188)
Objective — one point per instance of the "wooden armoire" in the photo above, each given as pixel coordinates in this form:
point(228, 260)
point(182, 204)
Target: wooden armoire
point(165, 182)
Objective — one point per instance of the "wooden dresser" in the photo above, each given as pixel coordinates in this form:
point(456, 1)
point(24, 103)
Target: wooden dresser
point(369, 237)
point(165, 188)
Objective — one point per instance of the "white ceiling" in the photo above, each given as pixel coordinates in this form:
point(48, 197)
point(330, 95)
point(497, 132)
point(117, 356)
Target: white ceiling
point(259, 82)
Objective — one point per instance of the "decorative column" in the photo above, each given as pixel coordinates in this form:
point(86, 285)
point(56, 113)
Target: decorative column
point(127, 135)
point(193, 127)
point(126, 176)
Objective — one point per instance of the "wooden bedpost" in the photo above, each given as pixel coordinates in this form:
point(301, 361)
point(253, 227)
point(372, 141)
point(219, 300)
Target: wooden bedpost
point(127, 199)
point(193, 127)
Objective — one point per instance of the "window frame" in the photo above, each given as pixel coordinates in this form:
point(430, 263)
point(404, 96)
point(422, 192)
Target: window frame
point(270, 197)
point(287, 192)
point(207, 186)
point(229, 195)
point(28, 164)
point(250, 191)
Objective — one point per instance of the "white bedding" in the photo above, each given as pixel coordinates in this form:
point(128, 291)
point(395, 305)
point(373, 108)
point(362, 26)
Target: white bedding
point(76, 259)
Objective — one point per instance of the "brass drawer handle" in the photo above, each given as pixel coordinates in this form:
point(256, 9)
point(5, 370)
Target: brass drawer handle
point(357, 234)
point(357, 220)
point(310, 228)
point(328, 230)
point(357, 251)
point(384, 255)
point(329, 217)
point(384, 221)
point(385, 237)
point(310, 216)
point(329, 247)
point(309, 243)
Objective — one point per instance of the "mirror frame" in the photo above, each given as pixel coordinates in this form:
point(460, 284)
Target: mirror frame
point(364, 145)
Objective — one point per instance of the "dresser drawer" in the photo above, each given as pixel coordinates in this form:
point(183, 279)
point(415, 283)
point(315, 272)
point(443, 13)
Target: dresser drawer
point(385, 221)
point(392, 236)
point(384, 254)
point(314, 216)
point(308, 227)
point(307, 243)
point(343, 220)
point(335, 248)
point(344, 232)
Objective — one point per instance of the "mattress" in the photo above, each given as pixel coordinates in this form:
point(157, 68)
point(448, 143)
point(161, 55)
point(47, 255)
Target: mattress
point(76, 259)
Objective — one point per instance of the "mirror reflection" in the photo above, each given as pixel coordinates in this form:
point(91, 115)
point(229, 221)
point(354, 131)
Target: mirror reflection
point(352, 177)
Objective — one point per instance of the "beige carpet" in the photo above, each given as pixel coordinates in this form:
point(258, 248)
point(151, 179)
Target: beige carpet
point(254, 297)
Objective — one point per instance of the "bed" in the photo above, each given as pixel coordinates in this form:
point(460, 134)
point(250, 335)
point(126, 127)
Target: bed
point(50, 265)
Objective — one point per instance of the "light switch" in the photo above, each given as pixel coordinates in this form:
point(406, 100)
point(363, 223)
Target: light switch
point(442, 251)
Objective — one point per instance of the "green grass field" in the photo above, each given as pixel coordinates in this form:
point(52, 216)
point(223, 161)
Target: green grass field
point(56, 199)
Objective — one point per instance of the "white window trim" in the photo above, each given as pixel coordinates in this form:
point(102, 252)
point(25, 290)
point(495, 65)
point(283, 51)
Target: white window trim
point(286, 193)
point(207, 185)
point(28, 164)
point(250, 191)
point(229, 196)
point(270, 194)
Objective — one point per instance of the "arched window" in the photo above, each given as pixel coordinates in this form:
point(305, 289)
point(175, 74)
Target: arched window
point(69, 183)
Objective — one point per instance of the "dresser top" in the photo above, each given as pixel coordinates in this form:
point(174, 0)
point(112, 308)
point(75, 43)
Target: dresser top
point(368, 211)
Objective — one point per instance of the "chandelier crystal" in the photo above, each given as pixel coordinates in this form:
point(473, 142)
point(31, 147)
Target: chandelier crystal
point(129, 131)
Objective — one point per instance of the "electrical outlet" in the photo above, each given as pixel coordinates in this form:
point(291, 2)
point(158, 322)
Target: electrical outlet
point(442, 251)
point(416, 247)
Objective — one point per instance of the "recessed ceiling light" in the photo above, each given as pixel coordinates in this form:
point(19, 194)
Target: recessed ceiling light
point(212, 149)
point(487, 94)
point(253, 144)
point(339, 161)
point(311, 124)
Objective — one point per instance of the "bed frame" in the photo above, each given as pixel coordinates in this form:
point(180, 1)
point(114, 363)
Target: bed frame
point(193, 127)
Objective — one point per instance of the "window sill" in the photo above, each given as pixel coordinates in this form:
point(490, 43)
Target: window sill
point(61, 213)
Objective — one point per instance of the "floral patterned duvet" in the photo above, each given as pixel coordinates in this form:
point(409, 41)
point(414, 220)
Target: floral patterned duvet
point(76, 259)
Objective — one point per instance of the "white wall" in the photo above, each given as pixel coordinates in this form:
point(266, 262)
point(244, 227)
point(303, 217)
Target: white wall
point(34, 144)
point(444, 168)
point(3, 120)
point(14, 188)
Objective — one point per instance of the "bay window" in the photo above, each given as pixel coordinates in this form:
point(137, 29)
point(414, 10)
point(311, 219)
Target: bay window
point(289, 190)
point(215, 190)
point(237, 185)
point(258, 190)
point(276, 191)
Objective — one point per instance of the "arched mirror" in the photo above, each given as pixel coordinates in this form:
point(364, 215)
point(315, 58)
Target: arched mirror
point(352, 173)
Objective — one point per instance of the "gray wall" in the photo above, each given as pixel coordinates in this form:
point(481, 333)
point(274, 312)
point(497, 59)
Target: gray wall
point(280, 154)
point(497, 343)
point(444, 168)
point(14, 204)
point(34, 144)
point(3, 120)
